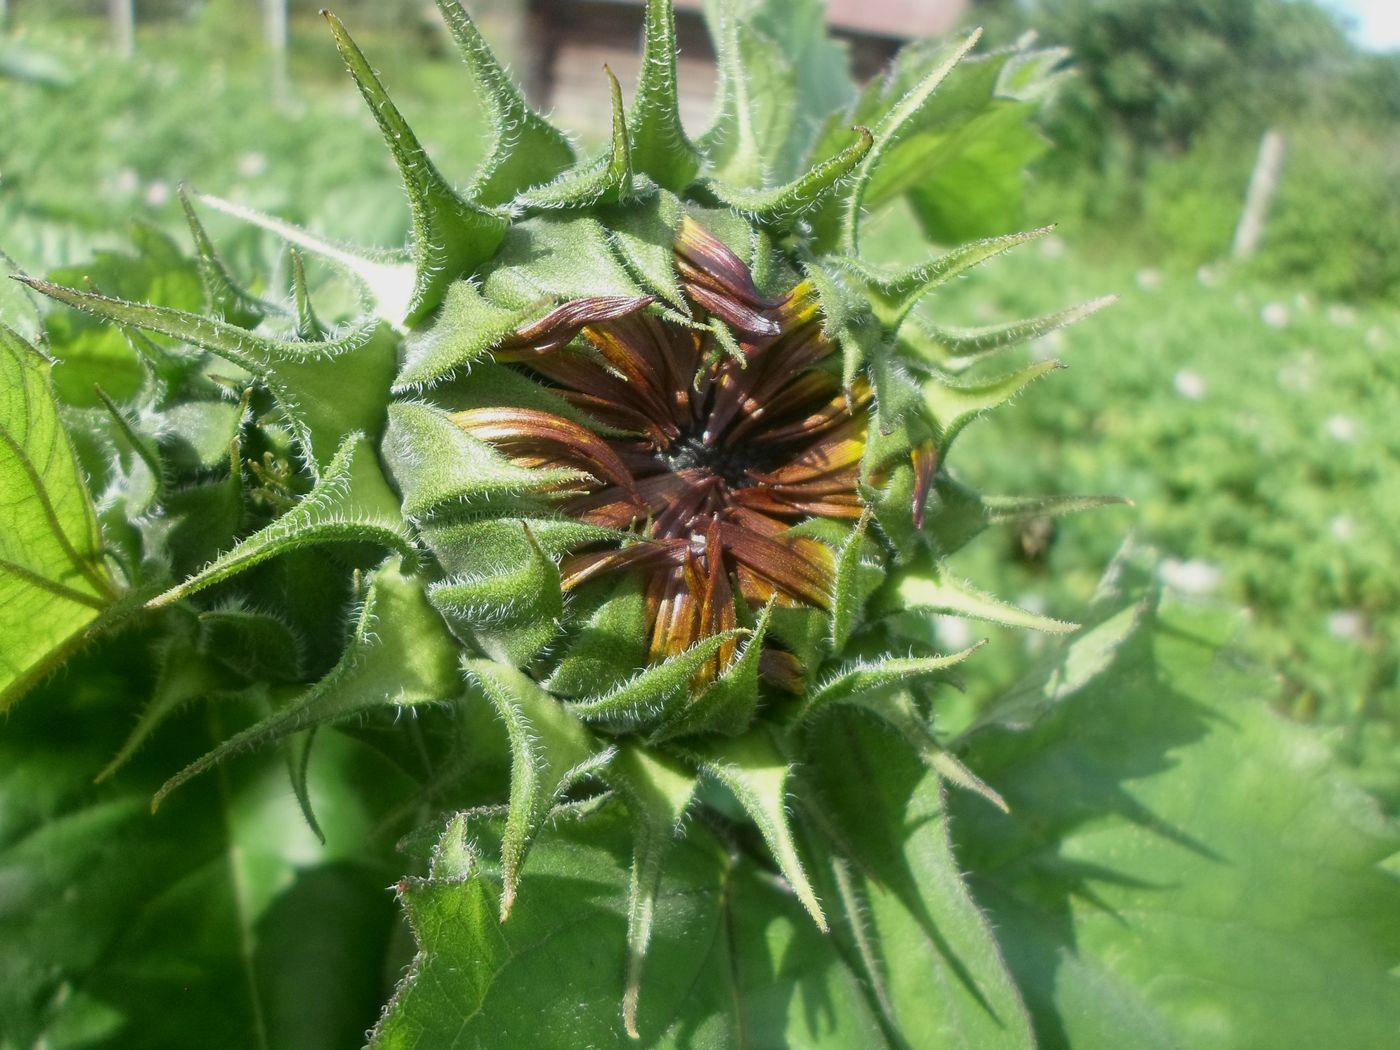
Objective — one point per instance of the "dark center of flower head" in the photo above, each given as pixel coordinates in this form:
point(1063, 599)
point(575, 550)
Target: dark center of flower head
point(715, 459)
point(732, 463)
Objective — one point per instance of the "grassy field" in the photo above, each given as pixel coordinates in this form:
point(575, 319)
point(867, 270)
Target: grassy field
point(1252, 425)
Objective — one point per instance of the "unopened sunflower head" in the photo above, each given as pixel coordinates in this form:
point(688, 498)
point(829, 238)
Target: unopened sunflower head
point(658, 455)
point(704, 460)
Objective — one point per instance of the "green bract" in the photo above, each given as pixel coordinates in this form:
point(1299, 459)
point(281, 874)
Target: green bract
point(273, 477)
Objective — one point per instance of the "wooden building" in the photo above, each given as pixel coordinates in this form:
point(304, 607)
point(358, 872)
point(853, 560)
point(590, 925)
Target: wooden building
point(569, 41)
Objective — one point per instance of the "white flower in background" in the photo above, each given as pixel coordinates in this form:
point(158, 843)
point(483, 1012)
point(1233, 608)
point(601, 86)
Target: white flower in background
point(157, 193)
point(1343, 527)
point(1341, 316)
point(1376, 337)
point(1149, 280)
point(1209, 276)
point(1299, 374)
point(1033, 603)
point(1349, 625)
point(1342, 428)
point(1051, 344)
point(954, 632)
point(1052, 247)
point(1194, 577)
point(252, 164)
point(127, 181)
point(1190, 385)
point(1275, 315)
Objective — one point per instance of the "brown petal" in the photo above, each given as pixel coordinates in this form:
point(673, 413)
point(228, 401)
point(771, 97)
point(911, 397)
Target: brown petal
point(644, 554)
point(782, 669)
point(533, 432)
point(560, 325)
point(617, 508)
point(833, 451)
point(748, 323)
point(925, 460)
point(673, 608)
point(798, 566)
point(704, 258)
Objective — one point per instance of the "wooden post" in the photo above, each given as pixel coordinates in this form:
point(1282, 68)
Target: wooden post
point(1262, 184)
point(123, 17)
point(275, 30)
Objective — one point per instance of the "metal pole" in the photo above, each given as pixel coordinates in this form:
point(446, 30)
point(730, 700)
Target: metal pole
point(123, 18)
point(1262, 185)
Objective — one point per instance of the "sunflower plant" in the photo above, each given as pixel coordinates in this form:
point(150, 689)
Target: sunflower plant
point(594, 563)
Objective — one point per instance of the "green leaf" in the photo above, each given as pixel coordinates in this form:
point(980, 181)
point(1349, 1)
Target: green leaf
point(644, 234)
point(660, 147)
point(472, 546)
point(657, 791)
point(843, 226)
point(185, 676)
point(608, 646)
point(155, 270)
point(847, 595)
point(526, 150)
point(819, 65)
point(656, 694)
point(399, 654)
point(351, 503)
point(899, 900)
point(221, 921)
point(931, 589)
point(309, 327)
point(556, 258)
point(955, 405)
point(957, 349)
point(510, 612)
point(754, 101)
point(757, 775)
point(326, 389)
point(731, 956)
point(435, 462)
point(893, 295)
point(963, 514)
point(859, 681)
point(969, 181)
point(224, 299)
point(1198, 874)
point(53, 579)
point(551, 750)
point(728, 704)
point(386, 278)
point(969, 147)
point(256, 644)
point(784, 205)
point(467, 326)
point(451, 237)
point(605, 181)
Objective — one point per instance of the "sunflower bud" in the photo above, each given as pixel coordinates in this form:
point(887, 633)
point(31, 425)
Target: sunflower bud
point(657, 456)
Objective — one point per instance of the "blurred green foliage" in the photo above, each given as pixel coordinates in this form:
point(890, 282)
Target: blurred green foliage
point(1254, 431)
point(1158, 129)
